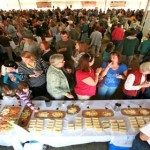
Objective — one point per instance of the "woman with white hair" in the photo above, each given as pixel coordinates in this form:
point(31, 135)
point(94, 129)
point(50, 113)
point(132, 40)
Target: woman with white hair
point(57, 83)
point(136, 82)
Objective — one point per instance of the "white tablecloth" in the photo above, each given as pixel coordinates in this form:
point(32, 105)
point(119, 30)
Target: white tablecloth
point(77, 136)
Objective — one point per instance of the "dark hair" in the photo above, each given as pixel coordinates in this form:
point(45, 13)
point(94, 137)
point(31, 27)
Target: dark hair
point(84, 62)
point(10, 63)
point(1, 32)
point(109, 47)
point(64, 32)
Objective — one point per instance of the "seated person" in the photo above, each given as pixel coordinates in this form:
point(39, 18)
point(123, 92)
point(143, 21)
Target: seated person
point(142, 139)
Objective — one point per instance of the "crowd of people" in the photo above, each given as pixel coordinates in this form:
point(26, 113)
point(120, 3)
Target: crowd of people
point(77, 35)
point(57, 49)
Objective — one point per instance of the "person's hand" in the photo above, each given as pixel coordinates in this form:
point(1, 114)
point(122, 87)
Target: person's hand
point(13, 79)
point(119, 76)
point(38, 73)
point(98, 71)
point(70, 96)
point(144, 137)
point(146, 84)
point(109, 65)
point(62, 49)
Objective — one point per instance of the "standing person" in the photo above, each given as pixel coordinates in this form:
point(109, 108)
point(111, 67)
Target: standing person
point(86, 78)
point(129, 46)
point(117, 36)
point(95, 44)
point(136, 82)
point(57, 83)
point(112, 73)
point(73, 33)
point(34, 72)
point(10, 30)
point(11, 77)
point(5, 45)
point(142, 139)
point(81, 48)
point(144, 48)
point(24, 94)
point(46, 51)
point(65, 46)
point(106, 53)
point(28, 44)
point(84, 29)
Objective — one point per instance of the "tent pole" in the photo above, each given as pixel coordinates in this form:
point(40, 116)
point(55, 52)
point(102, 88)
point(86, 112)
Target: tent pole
point(19, 4)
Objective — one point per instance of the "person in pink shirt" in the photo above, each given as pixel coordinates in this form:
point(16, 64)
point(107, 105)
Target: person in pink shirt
point(117, 36)
point(86, 78)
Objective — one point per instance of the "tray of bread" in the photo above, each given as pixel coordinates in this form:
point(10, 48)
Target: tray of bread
point(50, 114)
point(97, 113)
point(135, 111)
point(9, 113)
point(73, 109)
point(25, 116)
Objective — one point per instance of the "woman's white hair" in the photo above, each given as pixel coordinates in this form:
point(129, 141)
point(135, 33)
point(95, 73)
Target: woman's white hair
point(55, 59)
point(145, 67)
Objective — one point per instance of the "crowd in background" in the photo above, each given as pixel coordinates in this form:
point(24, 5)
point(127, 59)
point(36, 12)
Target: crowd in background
point(51, 54)
point(54, 51)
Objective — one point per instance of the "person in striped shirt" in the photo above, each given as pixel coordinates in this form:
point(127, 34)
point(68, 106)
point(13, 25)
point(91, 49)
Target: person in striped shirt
point(24, 94)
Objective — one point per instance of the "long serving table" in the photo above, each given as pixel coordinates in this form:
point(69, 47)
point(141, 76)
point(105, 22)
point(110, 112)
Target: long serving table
point(74, 137)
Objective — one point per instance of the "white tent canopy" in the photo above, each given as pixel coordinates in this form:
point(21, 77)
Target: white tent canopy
point(74, 4)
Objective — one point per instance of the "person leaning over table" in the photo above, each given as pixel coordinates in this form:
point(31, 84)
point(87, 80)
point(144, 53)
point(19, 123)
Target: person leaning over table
point(142, 139)
point(33, 70)
point(86, 77)
point(57, 83)
point(136, 82)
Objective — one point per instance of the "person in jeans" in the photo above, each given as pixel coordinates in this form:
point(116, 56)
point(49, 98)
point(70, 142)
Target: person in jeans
point(112, 73)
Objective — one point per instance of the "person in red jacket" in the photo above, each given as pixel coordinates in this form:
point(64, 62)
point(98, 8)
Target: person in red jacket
point(136, 82)
point(117, 36)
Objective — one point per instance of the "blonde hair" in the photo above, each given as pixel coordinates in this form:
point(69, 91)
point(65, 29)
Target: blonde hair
point(5, 90)
point(145, 67)
point(55, 59)
point(27, 54)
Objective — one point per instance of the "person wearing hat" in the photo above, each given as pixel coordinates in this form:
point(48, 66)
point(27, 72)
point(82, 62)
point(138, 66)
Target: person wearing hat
point(11, 77)
point(8, 66)
point(136, 82)
point(28, 44)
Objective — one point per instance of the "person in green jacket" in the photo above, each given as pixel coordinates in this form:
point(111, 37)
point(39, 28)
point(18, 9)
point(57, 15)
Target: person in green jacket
point(144, 48)
point(130, 45)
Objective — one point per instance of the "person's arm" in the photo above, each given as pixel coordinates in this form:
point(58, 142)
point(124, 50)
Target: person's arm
point(123, 76)
point(90, 81)
point(24, 97)
point(129, 83)
point(105, 70)
point(5, 79)
point(143, 136)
